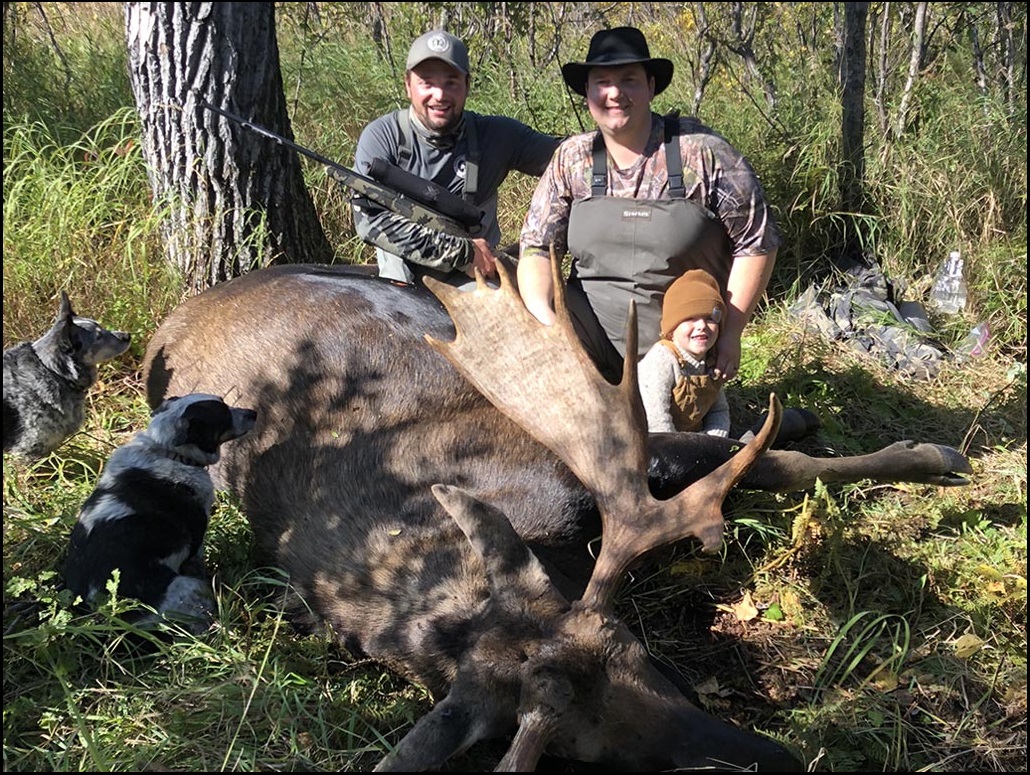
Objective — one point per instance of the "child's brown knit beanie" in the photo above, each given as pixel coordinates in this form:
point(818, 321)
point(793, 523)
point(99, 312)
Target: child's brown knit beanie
point(695, 294)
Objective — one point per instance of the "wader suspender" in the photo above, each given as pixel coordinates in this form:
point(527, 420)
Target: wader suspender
point(471, 160)
point(471, 187)
point(673, 161)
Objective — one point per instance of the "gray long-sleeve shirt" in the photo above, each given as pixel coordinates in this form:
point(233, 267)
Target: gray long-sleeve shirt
point(504, 145)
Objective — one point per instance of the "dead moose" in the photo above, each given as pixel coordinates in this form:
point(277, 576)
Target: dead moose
point(433, 510)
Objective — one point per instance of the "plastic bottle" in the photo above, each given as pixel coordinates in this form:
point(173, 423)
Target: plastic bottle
point(975, 343)
point(949, 291)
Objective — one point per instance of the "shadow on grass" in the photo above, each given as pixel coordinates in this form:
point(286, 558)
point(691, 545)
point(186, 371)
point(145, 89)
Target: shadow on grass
point(860, 413)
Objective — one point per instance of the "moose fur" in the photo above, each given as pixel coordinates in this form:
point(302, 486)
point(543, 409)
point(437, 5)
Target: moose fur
point(433, 533)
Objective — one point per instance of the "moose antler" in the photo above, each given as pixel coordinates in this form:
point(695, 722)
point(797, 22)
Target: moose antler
point(542, 378)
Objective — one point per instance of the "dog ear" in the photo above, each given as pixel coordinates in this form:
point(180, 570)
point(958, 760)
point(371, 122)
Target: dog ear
point(182, 433)
point(206, 424)
point(65, 311)
point(164, 405)
point(64, 323)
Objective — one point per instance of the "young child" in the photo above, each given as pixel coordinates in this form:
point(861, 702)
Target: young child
point(678, 391)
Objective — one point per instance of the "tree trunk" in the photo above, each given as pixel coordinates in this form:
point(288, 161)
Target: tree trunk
point(853, 108)
point(236, 200)
point(704, 68)
point(880, 99)
point(914, 63)
point(1007, 53)
point(742, 44)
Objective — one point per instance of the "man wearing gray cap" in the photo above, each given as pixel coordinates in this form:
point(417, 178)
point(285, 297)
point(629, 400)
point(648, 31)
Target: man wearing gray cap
point(438, 140)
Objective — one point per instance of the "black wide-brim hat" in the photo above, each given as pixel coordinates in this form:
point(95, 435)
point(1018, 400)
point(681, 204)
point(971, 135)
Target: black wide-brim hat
point(611, 48)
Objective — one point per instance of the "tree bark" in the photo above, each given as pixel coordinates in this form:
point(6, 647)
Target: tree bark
point(704, 67)
point(880, 99)
point(914, 64)
point(742, 44)
point(235, 200)
point(853, 108)
point(1007, 53)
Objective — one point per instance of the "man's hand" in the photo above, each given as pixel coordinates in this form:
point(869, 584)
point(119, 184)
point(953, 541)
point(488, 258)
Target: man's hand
point(483, 259)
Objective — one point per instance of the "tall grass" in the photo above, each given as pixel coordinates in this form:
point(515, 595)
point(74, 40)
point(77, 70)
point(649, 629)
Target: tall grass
point(889, 623)
point(64, 65)
point(80, 220)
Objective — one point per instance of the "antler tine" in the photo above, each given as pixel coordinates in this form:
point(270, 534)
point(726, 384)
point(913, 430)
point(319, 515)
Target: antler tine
point(561, 311)
point(536, 728)
point(696, 511)
point(541, 377)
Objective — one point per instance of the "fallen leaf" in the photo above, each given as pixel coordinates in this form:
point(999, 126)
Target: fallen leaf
point(708, 686)
point(996, 588)
point(967, 645)
point(744, 609)
point(692, 568)
point(885, 680)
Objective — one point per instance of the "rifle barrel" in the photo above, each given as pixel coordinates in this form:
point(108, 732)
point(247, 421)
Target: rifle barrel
point(398, 201)
point(283, 141)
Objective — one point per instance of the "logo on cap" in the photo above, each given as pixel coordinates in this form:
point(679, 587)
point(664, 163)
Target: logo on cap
point(438, 44)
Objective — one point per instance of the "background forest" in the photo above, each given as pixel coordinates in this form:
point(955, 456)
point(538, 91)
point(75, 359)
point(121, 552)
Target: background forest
point(866, 627)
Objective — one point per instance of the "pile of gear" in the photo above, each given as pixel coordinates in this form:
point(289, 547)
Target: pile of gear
point(866, 314)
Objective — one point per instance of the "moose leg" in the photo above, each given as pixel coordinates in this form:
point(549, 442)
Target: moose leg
point(902, 461)
point(678, 459)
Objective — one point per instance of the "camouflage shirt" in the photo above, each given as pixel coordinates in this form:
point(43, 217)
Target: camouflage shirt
point(715, 175)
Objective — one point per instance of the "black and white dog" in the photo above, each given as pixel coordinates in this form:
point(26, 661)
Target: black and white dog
point(45, 381)
point(149, 512)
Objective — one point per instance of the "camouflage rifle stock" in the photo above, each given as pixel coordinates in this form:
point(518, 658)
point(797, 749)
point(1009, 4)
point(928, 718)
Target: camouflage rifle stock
point(421, 201)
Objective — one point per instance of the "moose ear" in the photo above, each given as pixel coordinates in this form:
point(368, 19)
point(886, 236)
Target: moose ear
point(462, 718)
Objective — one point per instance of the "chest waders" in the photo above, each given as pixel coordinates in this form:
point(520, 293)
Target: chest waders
point(625, 249)
point(692, 395)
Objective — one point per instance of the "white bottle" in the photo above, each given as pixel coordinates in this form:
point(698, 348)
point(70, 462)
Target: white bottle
point(949, 288)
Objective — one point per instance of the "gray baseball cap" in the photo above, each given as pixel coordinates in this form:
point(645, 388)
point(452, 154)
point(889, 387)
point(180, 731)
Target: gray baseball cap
point(437, 44)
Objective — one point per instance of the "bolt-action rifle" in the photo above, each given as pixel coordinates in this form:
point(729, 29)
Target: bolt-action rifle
point(399, 191)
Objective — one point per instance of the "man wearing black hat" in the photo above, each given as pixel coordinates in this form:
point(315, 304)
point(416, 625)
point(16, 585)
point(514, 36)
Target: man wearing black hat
point(436, 139)
point(639, 202)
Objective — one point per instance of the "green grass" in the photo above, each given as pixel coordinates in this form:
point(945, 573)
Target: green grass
point(867, 627)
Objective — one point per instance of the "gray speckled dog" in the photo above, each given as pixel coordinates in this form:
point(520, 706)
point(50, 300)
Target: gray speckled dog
point(45, 381)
